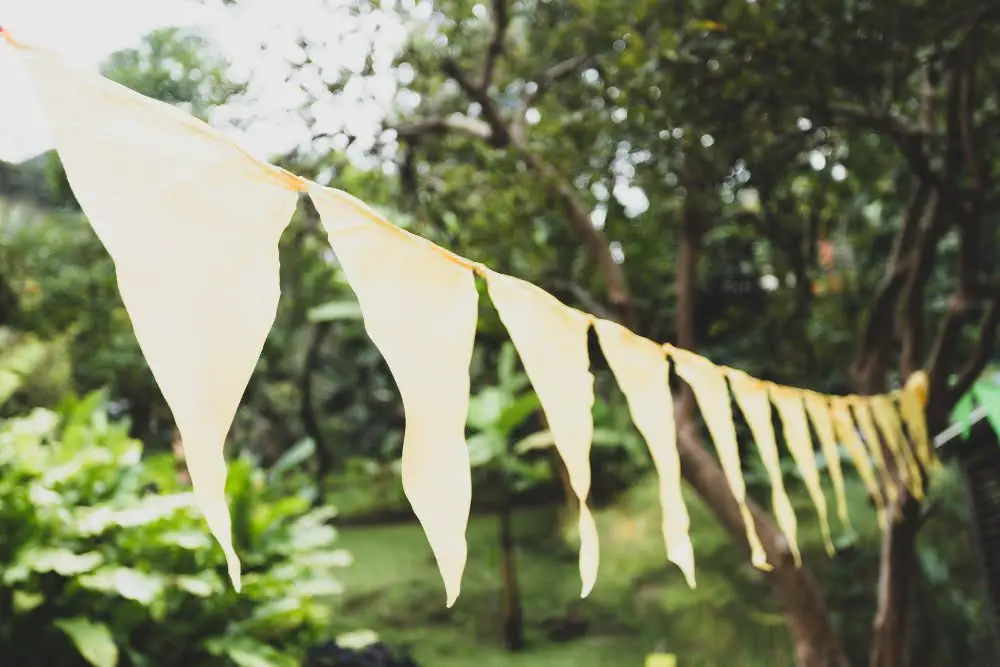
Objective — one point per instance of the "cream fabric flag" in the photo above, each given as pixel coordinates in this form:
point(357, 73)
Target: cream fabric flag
point(819, 413)
point(551, 339)
point(795, 426)
point(911, 407)
point(846, 431)
point(752, 397)
point(192, 223)
point(866, 423)
point(643, 373)
point(892, 430)
point(710, 391)
point(420, 309)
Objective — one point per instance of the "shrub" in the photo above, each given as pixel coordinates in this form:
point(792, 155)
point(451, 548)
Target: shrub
point(105, 561)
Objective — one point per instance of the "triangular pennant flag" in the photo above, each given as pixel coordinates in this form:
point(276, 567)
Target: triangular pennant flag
point(819, 413)
point(420, 308)
point(795, 425)
point(848, 435)
point(888, 422)
point(988, 395)
point(712, 395)
point(866, 423)
point(752, 397)
point(912, 398)
point(192, 223)
point(551, 339)
point(643, 373)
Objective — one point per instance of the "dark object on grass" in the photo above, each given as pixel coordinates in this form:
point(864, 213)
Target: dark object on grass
point(378, 654)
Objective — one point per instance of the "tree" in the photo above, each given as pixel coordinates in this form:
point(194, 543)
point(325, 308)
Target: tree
point(734, 109)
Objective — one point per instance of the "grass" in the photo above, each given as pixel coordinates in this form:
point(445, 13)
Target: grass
point(640, 604)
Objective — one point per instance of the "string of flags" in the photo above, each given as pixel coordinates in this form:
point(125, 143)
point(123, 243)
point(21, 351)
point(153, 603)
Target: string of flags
point(192, 223)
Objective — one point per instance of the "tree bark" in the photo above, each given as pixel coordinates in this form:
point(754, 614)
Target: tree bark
point(891, 638)
point(513, 618)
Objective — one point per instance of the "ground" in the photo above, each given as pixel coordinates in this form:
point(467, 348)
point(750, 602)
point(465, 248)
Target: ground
point(640, 604)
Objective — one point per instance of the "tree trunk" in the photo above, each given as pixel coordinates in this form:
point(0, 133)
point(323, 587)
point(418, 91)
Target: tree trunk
point(816, 643)
point(891, 640)
point(513, 618)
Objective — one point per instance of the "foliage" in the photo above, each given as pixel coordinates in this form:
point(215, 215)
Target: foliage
point(103, 554)
point(377, 654)
point(985, 394)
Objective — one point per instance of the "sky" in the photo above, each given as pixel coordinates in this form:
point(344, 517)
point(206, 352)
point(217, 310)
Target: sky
point(87, 32)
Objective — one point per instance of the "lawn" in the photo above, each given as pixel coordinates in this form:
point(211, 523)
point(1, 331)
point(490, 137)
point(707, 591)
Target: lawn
point(640, 604)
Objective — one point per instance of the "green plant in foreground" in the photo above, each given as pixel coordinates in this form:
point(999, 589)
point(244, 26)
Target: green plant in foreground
point(105, 561)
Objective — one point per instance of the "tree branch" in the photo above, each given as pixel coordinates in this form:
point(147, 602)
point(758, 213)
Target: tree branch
point(981, 353)
point(437, 125)
point(501, 21)
point(500, 133)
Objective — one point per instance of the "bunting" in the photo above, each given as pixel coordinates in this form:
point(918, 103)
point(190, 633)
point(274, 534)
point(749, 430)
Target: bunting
point(192, 223)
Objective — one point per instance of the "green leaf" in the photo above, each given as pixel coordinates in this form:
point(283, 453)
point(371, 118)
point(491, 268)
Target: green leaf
point(59, 560)
point(126, 582)
point(988, 395)
point(537, 440)
point(191, 540)
point(962, 412)
point(200, 586)
point(293, 457)
point(25, 601)
point(515, 413)
point(486, 407)
point(247, 652)
point(92, 640)
point(484, 447)
point(661, 660)
point(335, 311)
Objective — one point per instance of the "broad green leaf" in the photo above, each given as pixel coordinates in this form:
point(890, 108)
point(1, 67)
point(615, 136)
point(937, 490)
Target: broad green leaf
point(661, 660)
point(127, 582)
point(199, 586)
point(358, 639)
point(247, 652)
point(93, 640)
point(59, 560)
point(988, 395)
point(25, 601)
point(516, 412)
point(962, 414)
point(186, 539)
point(335, 311)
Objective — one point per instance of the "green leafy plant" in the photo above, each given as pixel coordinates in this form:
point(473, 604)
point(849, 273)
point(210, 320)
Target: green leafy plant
point(106, 562)
point(986, 394)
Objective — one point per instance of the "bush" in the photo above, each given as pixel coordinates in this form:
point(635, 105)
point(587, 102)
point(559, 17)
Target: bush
point(105, 561)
